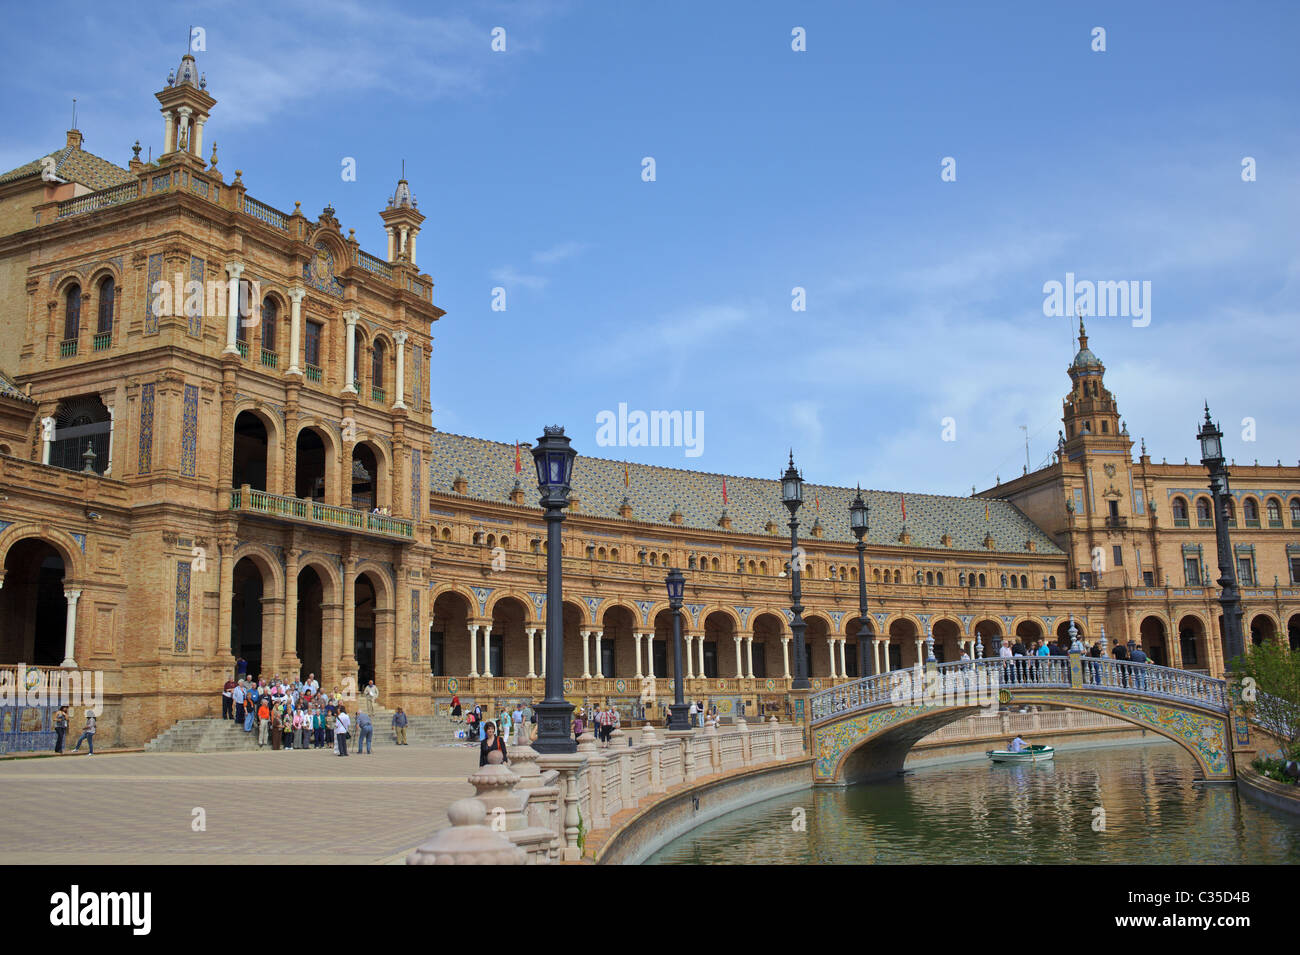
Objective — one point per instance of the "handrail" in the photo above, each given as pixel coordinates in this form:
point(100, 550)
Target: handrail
point(374, 264)
point(91, 201)
point(306, 510)
point(1146, 680)
point(264, 213)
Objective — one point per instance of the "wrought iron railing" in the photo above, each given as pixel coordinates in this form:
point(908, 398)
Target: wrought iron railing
point(99, 200)
point(242, 348)
point(1132, 679)
point(377, 394)
point(67, 348)
point(269, 358)
point(313, 373)
point(264, 213)
point(305, 510)
point(103, 340)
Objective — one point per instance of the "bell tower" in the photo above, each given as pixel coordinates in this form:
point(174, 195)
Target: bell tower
point(1090, 414)
point(402, 221)
point(185, 107)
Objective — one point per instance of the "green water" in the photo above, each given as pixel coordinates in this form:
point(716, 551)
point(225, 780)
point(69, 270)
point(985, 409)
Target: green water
point(975, 813)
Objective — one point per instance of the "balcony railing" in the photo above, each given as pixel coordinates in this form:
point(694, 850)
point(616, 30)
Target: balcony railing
point(377, 394)
point(313, 373)
point(295, 508)
point(67, 348)
point(264, 213)
point(103, 341)
point(1114, 523)
point(99, 200)
point(242, 347)
point(269, 358)
point(374, 265)
point(1205, 522)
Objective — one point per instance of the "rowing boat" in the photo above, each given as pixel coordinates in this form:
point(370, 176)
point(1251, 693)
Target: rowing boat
point(1030, 754)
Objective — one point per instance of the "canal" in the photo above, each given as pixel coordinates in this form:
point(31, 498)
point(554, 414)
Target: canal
point(1116, 805)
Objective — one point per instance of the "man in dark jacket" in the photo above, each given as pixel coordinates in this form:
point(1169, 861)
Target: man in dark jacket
point(1135, 655)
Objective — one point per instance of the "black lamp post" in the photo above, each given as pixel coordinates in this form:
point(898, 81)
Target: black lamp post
point(679, 711)
point(859, 514)
point(1211, 439)
point(554, 460)
point(792, 497)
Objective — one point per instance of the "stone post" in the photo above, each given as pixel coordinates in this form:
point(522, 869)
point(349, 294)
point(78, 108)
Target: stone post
point(467, 841)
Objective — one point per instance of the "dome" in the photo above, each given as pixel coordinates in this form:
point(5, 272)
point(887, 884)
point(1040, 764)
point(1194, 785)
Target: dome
point(1085, 358)
point(402, 197)
point(187, 74)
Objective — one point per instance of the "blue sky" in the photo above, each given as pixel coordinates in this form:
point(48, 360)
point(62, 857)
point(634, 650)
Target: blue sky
point(774, 169)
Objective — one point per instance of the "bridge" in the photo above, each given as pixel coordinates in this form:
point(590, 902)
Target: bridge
point(863, 730)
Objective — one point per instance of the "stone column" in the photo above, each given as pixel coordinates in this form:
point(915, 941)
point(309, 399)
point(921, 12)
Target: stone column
point(350, 316)
point(473, 650)
point(749, 657)
point(226, 591)
point(183, 127)
point(296, 296)
point(785, 656)
point(884, 657)
point(234, 270)
point(403, 245)
point(650, 655)
point(70, 629)
point(637, 637)
point(198, 136)
point(700, 637)
point(740, 669)
point(169, 132)
point(543, 673)
point(600, 662)
point(400, 338)
point(289, 649)
point(830, 645)
point(348, 652)
point(586, 654)
point(920, 658)
point(688, 640)
point(414, 234)
point(843, 642)
point(47, 438)
point(391, 249)
point(487, 651)
point(531, 661)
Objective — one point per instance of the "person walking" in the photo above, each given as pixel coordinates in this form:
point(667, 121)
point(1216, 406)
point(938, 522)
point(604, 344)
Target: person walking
point(365, 733)
point(399, 727)
point(88, 734)
point(577, 726)
point(694, 711)
point(491, 742)
point(60, 728)
point(341, 724)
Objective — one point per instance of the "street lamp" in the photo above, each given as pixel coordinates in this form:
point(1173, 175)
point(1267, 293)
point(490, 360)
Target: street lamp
point(554, 460)
point(1211, 439)
point(678, 718)
point(792, 497)
point(859, 518)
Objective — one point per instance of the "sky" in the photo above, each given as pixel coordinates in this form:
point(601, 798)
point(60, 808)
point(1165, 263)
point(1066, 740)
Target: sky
point(919, 170)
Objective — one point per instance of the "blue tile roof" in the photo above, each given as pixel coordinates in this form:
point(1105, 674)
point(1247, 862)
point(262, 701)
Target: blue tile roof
point(654, 492)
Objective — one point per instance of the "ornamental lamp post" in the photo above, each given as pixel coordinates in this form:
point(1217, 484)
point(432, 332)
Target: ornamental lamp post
point(1211, 439)
point(859, 521)
point(679, 711)
point(554, 460)
point(792, 497)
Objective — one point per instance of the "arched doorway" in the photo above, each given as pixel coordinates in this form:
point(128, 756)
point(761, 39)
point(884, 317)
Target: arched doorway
point(309, 475)
point(1293, 632)
point(251, 452)
point(817, 647)
point(311, 624)
point(509, 647)
point(988, 633)
point(1028, 632)
point(1152, 633)
point(902, 644)
point(449, 635)
point(617, 646)
point(1262, 628)
point(661, 648)
point(365, 626)
point(768, 648)
point(860, 653)
point(720, 647)
point(246, 615)
point(365, 479)
point(1191, 644)
point(1063, 631)
point(947, 640)
point(33, 606)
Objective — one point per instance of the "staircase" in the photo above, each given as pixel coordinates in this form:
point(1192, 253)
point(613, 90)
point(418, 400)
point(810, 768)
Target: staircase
point(214, 735)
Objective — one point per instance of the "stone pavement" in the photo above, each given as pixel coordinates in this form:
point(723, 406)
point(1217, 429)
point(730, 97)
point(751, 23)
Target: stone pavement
point(303, 807)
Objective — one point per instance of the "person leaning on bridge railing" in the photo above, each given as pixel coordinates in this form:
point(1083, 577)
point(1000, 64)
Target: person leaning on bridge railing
point(1136, 656)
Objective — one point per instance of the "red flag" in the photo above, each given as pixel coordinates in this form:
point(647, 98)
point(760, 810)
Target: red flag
point(903, 501)
point(517, 465)
point(724, 490)
point(817, 503)
point(625, 477)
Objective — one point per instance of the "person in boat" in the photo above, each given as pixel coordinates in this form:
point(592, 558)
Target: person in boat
point(1018, 745)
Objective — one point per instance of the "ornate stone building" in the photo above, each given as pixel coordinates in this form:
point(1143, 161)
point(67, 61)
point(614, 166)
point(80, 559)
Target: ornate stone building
point(215, 440)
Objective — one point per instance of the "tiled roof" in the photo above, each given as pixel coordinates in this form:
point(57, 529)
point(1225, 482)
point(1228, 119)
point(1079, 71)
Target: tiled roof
point(9, 390)
point(489, 470)
point(76, 165)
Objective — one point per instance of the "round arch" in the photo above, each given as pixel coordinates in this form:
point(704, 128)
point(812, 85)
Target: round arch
point(69, 551)
point(1263, 627)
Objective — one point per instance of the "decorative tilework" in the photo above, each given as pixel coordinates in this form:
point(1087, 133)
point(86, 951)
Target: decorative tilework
point(319, 272)
point(743, 613)
point(966, 619)
point(539, 604)
point(593, 605)
point(416, 486)
point(837, 616)
point(190, 432)
point(695, 612)
point(880, 622)
point(155, 276)
point(482, 594)
point(3, 525)
point(1047, 623)
point(182, 639)
point(645, 607)
point(81, 541)
point(195, 315)
point(415, 625)
point(146, 428)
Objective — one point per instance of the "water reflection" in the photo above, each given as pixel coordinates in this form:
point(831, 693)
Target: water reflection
point(998, 813)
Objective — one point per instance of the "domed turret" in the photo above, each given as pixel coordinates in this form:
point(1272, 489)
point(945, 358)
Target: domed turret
point(402, 221)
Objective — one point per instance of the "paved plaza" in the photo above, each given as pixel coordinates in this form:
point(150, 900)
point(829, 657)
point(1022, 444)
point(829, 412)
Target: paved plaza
point(301, 806)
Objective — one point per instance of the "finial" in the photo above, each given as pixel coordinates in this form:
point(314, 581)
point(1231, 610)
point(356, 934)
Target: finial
point(213, 161)
point(1144, 447)
point(136, 151)
point(203, 81)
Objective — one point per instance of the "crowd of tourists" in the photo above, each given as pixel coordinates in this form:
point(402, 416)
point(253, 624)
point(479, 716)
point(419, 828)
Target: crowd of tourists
point(299, 714)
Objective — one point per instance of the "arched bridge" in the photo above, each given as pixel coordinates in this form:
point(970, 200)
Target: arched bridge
point(863, 730)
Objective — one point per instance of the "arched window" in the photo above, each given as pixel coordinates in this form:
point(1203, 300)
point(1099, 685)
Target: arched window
point(654, 560)
point(446, 533)
point(713, 565)
point(245, 313)
point(107, 297)
point(762, 567)
point(1295, 512)
point(269, 315)
point(1024, 581)
point(1051, 583)
point(505, 541)
point(1230, 511)
point(1015, 581)
point(377, 365)
point(1204, 512)
point(898, 576)
point(1274, 512)
point(1105, 427)
point(72, 314)
point(1004, 580)
point(938, 578)
point(961, 579)
point(929, 577)
point(1250, 508)
point(853, 573)
point(80, 423)
point(1180, 512)
point(982, 583)
point(875, 575)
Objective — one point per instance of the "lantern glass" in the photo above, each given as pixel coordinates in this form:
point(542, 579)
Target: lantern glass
point(1211, 448)
point(791, 488)
point(676, 584)
point(858, 514)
